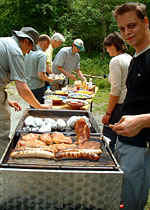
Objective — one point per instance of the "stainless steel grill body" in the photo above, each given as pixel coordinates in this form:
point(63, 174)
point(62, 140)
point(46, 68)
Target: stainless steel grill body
point(57, 189)
point(36, 184)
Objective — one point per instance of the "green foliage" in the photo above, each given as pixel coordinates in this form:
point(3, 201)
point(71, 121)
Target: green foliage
point(90, 20)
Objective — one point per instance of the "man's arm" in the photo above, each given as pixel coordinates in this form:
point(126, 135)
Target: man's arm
point(70, 76)
point(79, 73)
point(28, 96)
point(48, 69)
point(15, 105)
point(44, 77)
point(131, 125)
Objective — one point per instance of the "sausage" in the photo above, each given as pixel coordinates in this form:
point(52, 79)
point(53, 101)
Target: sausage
point(76, 154)
point(32, 154)
point(111, 125)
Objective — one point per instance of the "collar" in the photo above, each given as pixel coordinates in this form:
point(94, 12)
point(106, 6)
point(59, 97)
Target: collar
point(39, 48)
point(139, 53)
point(16, 39)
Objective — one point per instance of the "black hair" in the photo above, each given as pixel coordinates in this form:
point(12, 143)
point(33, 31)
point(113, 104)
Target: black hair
point(116, 39)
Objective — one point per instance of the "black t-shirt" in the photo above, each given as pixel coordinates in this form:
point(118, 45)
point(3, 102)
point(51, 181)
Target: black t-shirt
point(137, 100)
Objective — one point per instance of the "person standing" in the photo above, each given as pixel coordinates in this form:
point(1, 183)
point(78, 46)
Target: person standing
point(67, 60)
point(133, 153)
point(118, 70)
point(56, 41)
point(35, 68)
point(12, 51)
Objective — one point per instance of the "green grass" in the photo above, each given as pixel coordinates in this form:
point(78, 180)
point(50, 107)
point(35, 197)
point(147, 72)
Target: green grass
point(100, 101)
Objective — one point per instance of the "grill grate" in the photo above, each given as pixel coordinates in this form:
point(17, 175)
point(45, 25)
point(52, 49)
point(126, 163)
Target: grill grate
point(105, 162)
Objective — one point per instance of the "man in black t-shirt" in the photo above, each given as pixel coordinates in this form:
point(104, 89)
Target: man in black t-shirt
point(133, 151)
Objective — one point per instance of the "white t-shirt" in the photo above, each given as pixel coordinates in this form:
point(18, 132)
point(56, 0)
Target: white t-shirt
point(118, 70)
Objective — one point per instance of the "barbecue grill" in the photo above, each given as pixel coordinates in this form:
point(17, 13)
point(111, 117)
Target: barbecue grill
point(34, 183)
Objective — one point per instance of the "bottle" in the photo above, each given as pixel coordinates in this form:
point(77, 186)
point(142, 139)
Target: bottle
point(47, 96)
point(90, 84)
point(84, 85)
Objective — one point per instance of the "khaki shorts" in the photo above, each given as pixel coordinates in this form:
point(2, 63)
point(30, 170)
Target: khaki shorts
point(5, 113)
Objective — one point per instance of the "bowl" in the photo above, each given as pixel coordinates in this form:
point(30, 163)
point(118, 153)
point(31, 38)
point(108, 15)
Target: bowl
point(57, 99)
point(79, 96)
point(75, 103)
point(60, 92)
point(85, 92)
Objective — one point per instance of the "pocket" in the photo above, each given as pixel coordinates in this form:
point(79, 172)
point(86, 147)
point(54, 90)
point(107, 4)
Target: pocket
point(4, 129)
point(3, 97)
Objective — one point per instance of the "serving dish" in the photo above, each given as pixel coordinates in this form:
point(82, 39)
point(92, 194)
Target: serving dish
point(57, 76)
point(57, 99)
point(75, 103)
point(60, 92)
point(79, 96)
point(85, 92)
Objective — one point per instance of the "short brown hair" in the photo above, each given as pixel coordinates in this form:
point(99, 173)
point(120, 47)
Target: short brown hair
point(116, 39)
point(139, 8)
point(44, 37)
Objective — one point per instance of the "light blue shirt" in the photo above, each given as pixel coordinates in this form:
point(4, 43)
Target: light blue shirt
point(35, 62)
point(11, 61)
point(67, 60)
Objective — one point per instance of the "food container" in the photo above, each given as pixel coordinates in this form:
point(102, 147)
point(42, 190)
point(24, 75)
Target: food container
point(61, 92)
point(44, 184)
point(48, 102)
point(57, 99)
point(57, 114)
point(80, 96)
point(75, 103)
point(77, 84)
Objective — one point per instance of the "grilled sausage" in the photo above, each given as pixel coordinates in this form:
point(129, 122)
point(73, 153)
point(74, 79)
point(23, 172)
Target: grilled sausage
point(32, 154)
point(76, 154)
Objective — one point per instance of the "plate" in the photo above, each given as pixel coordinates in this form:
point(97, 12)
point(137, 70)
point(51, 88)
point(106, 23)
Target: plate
point(57, 76)
point(57, 99)
point(60, 92)
point(75, 103)
point(85, 92)
point(80, 96)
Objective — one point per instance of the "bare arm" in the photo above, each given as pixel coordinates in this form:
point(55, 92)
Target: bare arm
point(70, 76)
point(131, 125)
point(44, 77)
point(110, 107)
point(79, 73)
point(28, 96)
point(15, 105)
point(48, 69)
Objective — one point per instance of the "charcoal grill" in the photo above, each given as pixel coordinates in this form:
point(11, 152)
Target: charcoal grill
point(67, 184)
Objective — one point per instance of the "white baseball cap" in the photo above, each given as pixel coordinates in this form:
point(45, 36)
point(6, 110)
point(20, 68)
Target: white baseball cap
point(79, 44)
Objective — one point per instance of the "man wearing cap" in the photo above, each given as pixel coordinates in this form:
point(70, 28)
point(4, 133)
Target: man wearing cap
point(12, 51)
point(67, 60)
